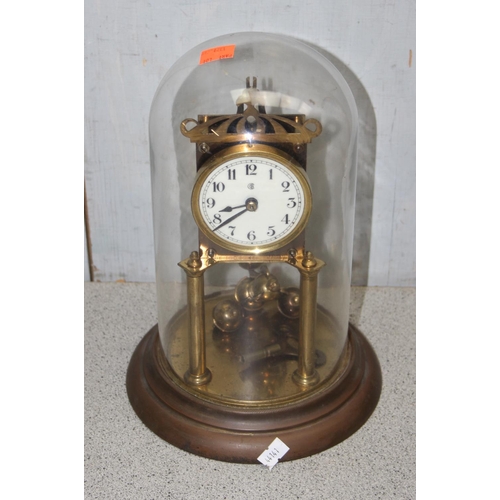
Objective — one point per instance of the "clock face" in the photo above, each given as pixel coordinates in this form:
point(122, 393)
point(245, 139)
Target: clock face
point(253, 201)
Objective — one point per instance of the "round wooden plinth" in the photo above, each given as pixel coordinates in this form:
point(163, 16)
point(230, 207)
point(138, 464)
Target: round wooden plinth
point(239, 433)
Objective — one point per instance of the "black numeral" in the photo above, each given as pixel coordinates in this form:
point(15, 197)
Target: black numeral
point(217, 219)
point(219, 187)
point(251, 169)
point(233, 228)
point(291, 203)
point(285, 185)
point(285, 219)
point(271, 174)
point(251, 235)
point(210, 203)
point(271, 231)
point(231, 174)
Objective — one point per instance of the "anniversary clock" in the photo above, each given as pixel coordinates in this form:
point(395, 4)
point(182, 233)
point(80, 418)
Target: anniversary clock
point(253, 155)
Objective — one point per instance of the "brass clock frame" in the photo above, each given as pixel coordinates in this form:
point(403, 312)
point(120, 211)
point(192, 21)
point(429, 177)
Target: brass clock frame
point(247, 151)
point(251, 132)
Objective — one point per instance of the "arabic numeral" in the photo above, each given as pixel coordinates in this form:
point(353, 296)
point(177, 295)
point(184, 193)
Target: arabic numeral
point(285, 185)
point(219, 187)
point(251, 169)
point(210, 203)
point(251, 236)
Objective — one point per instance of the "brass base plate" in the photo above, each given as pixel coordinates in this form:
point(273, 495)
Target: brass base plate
point(231, 433)
point(236, 380)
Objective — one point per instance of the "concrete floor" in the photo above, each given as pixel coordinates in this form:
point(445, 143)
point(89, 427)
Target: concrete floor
point(125, 460)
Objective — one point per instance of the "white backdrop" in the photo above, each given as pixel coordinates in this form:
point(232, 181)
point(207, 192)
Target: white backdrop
point(129, 46)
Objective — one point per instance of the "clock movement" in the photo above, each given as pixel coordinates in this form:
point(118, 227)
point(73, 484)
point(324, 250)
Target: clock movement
point(253, 157)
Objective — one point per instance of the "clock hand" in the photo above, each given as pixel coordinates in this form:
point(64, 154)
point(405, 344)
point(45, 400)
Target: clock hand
point(230, 209)
point(231, 219)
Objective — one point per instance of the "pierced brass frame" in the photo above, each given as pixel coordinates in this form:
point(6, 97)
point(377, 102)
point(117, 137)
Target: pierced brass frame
point(292, 129)
point(246, 151)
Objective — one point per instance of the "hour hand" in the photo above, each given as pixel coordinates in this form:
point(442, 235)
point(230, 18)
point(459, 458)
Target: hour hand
point(230, 209)
point(227, 221)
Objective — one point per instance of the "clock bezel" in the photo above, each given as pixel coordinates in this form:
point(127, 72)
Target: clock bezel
point(247, 151)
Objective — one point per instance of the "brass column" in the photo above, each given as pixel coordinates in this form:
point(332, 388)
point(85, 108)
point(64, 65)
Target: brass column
point(306, 374)
point(198, 373)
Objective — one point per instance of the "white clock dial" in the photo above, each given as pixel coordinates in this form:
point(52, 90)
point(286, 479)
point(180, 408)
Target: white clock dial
point(253, 202)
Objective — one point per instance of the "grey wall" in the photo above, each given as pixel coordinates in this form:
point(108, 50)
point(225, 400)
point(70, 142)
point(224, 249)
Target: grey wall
point(130, 45)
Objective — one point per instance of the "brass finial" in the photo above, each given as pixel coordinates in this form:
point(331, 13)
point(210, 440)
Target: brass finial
point(194, 261)
point(309, 260)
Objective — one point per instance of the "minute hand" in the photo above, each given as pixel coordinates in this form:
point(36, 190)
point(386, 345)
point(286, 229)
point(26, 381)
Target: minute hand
point(227, 221)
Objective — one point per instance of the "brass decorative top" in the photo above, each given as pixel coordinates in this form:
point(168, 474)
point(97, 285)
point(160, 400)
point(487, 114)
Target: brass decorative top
point(251, 125)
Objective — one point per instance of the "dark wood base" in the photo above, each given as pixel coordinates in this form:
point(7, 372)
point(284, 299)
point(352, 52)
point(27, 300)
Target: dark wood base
point(239, 433)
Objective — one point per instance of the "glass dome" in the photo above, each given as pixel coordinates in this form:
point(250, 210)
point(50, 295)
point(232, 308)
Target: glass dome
point(253, 157)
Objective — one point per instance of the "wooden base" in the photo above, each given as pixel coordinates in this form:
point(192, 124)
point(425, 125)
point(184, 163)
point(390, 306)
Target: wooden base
point(241, 433)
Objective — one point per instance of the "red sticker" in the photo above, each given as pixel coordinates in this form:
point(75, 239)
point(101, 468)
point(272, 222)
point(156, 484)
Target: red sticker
point(217, 53)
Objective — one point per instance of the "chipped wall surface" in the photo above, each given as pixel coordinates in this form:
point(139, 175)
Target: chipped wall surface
point(130, 45)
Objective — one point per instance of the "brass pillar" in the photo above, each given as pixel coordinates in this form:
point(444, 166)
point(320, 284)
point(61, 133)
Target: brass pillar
point(198, 373)
point(306, 375)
